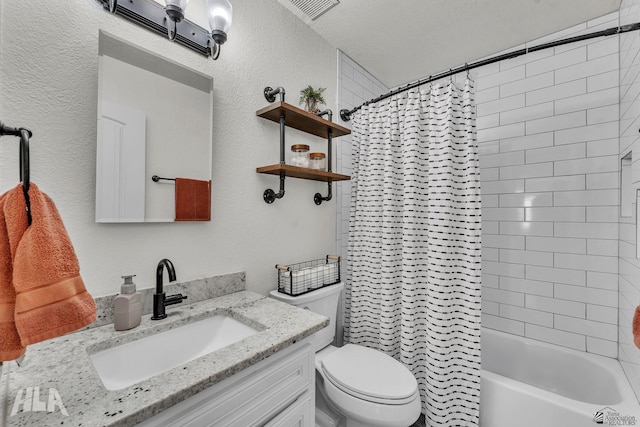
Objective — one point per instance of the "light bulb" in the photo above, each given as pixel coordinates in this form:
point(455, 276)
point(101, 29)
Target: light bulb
point(220, 13)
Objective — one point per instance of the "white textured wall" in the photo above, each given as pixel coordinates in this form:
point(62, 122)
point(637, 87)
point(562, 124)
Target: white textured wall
point(629, 265)
point(49, 68)
point(548, 136)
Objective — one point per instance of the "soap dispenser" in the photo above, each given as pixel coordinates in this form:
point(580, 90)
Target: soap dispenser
point(127, 307)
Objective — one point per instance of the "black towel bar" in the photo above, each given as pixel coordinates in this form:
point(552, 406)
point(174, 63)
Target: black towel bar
point(156, 178)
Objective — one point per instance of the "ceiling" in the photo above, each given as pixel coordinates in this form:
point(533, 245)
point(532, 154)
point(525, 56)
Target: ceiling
point(400, 41)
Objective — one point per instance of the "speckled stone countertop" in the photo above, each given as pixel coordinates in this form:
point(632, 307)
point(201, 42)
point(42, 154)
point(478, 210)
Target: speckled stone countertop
point(63, 363)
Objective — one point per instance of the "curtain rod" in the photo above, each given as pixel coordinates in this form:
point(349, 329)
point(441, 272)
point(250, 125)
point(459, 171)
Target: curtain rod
point(346, 114)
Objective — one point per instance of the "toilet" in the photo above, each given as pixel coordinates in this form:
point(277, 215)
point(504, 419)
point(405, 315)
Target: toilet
point(356, 386)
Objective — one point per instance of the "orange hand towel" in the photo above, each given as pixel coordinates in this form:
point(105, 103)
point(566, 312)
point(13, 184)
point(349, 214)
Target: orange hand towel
point(51, 299)
point(636, 327)
point(10, 345)
point(193, 200)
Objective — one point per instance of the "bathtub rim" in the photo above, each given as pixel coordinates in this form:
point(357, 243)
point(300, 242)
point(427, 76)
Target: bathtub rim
point(628, 406)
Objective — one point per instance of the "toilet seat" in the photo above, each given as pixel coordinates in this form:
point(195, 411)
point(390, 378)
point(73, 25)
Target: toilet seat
point(369, 375)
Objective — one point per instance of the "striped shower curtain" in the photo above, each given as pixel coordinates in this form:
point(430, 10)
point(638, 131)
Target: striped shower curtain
point(414, 244)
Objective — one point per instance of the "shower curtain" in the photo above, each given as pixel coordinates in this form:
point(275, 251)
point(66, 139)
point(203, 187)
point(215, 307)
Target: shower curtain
point(414, 244)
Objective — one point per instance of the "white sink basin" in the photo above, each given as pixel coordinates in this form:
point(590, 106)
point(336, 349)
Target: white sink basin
point(128, 364)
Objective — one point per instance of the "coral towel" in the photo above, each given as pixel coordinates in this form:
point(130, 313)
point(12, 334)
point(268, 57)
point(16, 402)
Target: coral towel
point(193, 200)
point(10, 345)
point(636, 327)
point(51, 299)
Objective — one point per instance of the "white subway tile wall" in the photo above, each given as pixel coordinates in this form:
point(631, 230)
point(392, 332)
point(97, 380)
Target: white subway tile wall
point(554, 121)
point(355, 86)
point(629, 265)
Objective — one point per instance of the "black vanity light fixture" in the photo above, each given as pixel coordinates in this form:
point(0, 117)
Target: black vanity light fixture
point(169, 21)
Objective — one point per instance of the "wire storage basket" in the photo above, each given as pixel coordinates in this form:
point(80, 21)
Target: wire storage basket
point(303, 277)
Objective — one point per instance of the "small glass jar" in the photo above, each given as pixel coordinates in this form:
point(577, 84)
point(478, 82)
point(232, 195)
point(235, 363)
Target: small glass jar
point(317, 161)
point(300, 155)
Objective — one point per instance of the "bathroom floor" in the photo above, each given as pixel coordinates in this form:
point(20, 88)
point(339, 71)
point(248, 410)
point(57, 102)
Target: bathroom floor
point(420, 422)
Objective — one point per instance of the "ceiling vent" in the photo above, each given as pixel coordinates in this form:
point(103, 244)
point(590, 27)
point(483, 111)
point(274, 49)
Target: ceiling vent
point(312, 9)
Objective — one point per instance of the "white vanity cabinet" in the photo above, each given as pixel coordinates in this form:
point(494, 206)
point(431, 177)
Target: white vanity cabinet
point(278, 391)
point(301, 413)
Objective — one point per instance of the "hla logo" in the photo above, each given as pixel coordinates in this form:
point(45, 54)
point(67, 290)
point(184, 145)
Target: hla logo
point(29, 399)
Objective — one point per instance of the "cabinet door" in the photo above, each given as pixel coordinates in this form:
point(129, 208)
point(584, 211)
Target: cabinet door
point(300, 413)
point(268, 392)
point(250, 398)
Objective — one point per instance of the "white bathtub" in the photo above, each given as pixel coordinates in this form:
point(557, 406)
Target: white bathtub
point(528, 383)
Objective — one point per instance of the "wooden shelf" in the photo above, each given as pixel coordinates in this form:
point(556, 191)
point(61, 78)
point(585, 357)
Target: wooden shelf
point(303, 121)
point(304, 173)
point(300, 119)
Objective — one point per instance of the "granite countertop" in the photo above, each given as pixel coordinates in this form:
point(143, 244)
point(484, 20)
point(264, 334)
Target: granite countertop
point(63, 365)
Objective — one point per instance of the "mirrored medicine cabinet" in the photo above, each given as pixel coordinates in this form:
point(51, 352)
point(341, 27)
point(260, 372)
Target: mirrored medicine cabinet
point(154, 118)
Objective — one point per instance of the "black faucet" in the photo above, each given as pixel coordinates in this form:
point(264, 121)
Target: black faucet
point(160, 300)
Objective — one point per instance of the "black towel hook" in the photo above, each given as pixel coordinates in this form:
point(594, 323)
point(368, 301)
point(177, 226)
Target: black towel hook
point(24, 135)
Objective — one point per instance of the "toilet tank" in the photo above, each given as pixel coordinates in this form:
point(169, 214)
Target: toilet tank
point(323, 301)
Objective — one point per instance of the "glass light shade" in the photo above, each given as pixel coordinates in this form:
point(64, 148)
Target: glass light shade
point(175, 9)
point(219, 13)
point(182, 4)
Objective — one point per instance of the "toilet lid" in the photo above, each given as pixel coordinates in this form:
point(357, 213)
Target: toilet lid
point(363, 371)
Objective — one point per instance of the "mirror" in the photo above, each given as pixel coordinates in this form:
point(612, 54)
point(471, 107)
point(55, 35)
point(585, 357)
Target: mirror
point(154, 118)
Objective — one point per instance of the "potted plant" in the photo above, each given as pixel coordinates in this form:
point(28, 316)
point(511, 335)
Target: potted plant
point(311, 97)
